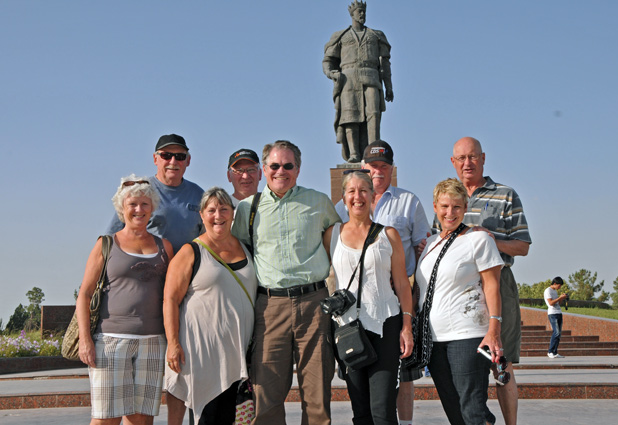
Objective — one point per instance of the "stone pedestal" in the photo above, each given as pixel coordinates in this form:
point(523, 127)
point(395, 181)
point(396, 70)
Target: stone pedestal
point(336, 177)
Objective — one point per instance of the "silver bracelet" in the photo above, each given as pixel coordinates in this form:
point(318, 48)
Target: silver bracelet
point(498, 318)
point(409, 314)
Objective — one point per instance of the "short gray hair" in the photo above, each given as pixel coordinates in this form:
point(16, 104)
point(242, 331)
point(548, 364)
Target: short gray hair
point(142, 187)
point(281, 144)
point(217, 193)
point(358, 174)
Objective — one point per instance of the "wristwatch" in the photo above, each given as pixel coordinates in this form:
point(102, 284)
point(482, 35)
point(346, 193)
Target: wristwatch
point(498, 318)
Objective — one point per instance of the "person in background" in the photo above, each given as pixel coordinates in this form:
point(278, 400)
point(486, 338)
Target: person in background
point(177, 218)
point(372, 389)
point(209, 319)
point(243, 171)
point(291, 265)
point(554, 314)
point(126, 354)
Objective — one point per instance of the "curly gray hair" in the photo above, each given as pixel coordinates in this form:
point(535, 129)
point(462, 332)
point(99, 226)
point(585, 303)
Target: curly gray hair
point(133, 186)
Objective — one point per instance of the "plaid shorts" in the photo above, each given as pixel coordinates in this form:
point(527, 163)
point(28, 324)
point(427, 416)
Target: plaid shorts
point(128, 376)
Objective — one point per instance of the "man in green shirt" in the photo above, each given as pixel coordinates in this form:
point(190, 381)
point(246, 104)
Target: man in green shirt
point(291, 265)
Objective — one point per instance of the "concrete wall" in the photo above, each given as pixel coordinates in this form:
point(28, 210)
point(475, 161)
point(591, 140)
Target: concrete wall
point(606, 329)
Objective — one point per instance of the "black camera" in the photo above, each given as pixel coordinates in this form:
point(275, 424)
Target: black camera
point(338, 303)
point(566, 301)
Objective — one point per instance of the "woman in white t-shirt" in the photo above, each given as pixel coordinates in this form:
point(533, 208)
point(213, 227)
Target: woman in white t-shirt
point(466, 307)
point(373, 388)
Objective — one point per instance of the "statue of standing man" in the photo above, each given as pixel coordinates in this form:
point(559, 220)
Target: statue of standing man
point(357, 59)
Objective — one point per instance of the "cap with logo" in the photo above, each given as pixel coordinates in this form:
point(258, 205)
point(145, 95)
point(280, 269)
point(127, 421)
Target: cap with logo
point(378, 151)
point(243, 154)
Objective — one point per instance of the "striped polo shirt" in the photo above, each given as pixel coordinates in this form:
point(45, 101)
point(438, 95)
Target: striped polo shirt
point(498, 208)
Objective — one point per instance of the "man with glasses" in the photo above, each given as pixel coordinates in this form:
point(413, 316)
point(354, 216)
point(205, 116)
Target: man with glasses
point(291, 265)
point(178, 218)
point(243, 171)
point(401, 209)
point(497, 209)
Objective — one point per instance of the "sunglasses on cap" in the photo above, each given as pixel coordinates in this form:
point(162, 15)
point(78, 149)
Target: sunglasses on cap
point(181, 156)
point(287, 166)
point(360, 170)
point(131, 183)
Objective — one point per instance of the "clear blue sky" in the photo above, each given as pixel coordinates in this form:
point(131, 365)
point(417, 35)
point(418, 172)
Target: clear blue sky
point(88, 87)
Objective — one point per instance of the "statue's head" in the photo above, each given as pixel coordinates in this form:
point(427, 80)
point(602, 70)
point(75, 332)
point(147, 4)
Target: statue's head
point(357, 5)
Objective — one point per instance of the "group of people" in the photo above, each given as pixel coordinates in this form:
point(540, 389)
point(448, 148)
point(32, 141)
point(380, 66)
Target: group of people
point(205, 290)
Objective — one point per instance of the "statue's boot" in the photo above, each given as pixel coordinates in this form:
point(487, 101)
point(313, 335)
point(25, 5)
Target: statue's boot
point(352, 136)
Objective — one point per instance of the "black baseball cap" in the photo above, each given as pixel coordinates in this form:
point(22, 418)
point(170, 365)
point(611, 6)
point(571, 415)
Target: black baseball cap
point(171, 139)
point(378, 151)
point(243, 154)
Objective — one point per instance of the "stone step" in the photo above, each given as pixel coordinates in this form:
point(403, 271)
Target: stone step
point(570, 345)
point(528, 328)
point(570, 352)
point(565, 332)
point(568, 338)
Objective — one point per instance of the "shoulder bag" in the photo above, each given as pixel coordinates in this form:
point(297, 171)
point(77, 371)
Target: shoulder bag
point(70, 343)
point(353, 346)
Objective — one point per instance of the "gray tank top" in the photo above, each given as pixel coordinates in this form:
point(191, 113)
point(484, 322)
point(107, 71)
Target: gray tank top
point(132, 301)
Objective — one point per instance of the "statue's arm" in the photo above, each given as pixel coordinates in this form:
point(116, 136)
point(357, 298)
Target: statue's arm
point(385, 66)
point(385, 74)
point(332, 55)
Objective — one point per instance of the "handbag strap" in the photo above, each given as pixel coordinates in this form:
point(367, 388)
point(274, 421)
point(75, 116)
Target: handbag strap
point(224, 264)
point(106, 247)
point(432, 280)
point(252, 211)
point(372, 235)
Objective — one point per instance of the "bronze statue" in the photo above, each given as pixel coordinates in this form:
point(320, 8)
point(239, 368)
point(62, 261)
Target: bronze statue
point(357, 59)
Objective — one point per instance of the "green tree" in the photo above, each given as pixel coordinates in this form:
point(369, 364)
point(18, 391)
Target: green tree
point(36, 297)
point(17, 320)
point(584, 285)
point(614, 295)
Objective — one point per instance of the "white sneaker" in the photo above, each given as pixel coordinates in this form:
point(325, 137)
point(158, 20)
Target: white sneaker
point(558, 356)
point(551, 355)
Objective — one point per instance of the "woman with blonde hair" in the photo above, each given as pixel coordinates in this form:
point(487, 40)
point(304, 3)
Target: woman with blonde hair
point(126, 354)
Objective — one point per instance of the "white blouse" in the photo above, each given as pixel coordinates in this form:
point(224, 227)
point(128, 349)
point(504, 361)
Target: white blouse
point(459, 310)
point(378, 300)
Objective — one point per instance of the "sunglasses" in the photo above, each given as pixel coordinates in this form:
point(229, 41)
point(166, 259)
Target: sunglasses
point(503, 377)
point(288, 166)
point(360, 170)
point(131, 183)
point(169, 155)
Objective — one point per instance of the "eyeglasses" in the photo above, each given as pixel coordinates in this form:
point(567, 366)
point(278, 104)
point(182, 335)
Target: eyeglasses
point(473, 158)
point(360, 170)
point(241, 171)
point(503, 377)
point(169, 155)
point(131, 183)
point(288, 166)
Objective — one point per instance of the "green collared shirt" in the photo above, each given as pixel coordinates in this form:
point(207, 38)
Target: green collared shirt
point(287, 236)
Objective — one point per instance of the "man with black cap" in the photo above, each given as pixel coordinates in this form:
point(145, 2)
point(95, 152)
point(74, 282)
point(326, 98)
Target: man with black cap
point(243, 171)
point(401, 209)
point(177, 218)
